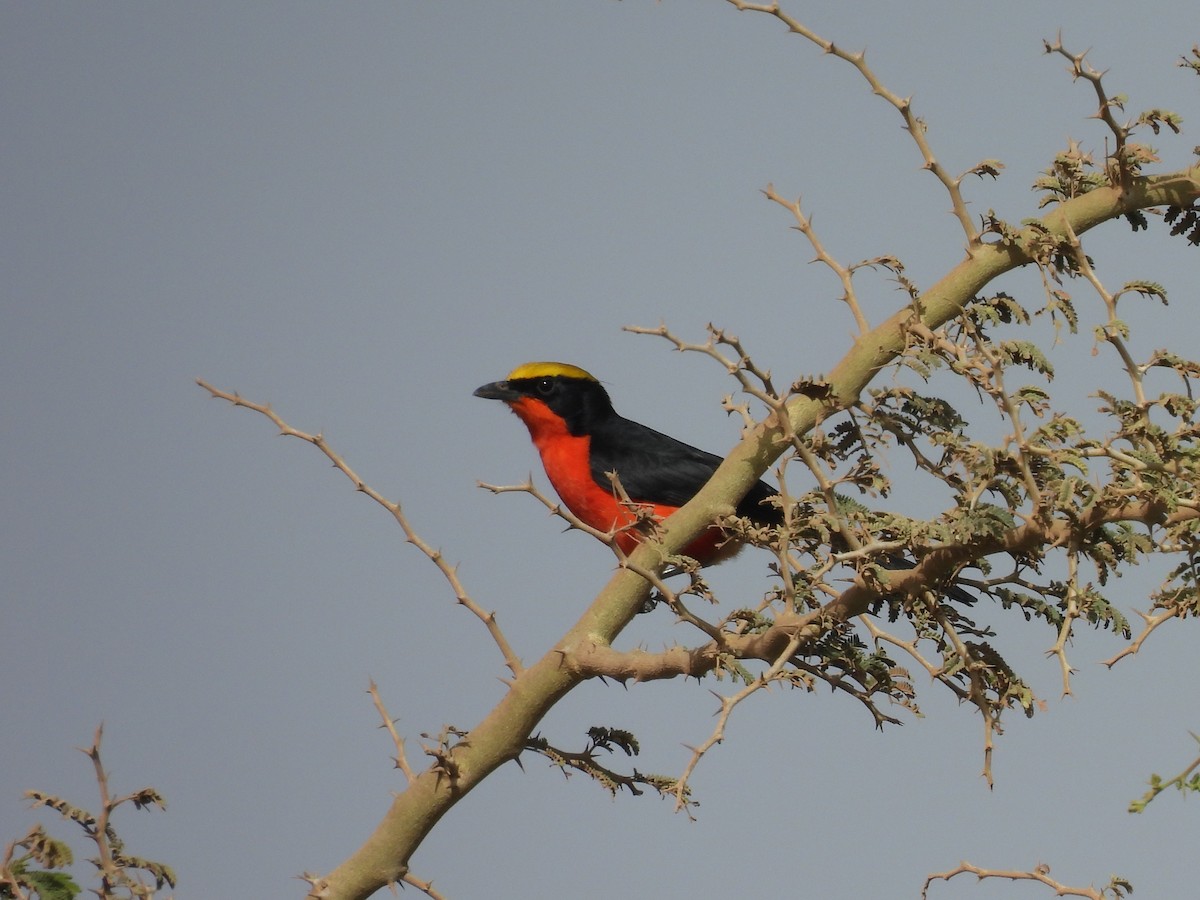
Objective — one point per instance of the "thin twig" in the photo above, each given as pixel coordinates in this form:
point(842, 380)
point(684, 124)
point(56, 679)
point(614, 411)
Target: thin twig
point(1080, 68)
point(1040, 873)
point(742, 368)
point(1151, 623)
point(728, 704)
point(450, 572)
point(556, 509)
point(389, 723)
point(912, 122)
point(1069, 615)
point(1158, 785)
point(424, 886)
point(110, 874)
point(845, 275)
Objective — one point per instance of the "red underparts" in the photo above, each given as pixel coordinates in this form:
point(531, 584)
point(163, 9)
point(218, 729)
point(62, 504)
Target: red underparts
point(567, 462)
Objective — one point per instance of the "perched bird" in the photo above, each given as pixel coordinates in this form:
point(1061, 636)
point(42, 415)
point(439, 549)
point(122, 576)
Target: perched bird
point(581, 438)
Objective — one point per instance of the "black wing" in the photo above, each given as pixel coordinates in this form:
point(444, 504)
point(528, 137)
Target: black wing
point(656, 468)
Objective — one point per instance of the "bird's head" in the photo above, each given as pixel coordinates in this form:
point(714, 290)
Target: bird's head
point(552, 394)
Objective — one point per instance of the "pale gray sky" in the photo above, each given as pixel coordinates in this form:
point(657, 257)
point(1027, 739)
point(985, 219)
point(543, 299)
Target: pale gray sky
point(362, 212)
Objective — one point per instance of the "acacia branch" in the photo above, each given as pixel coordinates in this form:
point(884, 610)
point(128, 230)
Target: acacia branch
point(585, 761)
point(1151, 622)
point(556, 509)
point(844, 275)
point(937, 672)
point(425, 887)
point(101, 832)
point(1080, 68)
point(728, 704)
point(1070, 614)
point(1111, 332)
point(1184, 781)
point(603, 661)
point(401, 758)
point(449, 571)
point(751, 458)
point(913, 124)
point(118, 869)
point(1117, 887)
point(748, 375)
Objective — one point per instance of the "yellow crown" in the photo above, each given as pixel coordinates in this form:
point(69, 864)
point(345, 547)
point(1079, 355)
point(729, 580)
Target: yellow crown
point(549, 370)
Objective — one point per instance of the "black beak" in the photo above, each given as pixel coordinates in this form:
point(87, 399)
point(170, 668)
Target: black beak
point(497, 390)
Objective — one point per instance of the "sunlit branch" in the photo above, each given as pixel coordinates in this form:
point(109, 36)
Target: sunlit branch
point(100, 833)
point(1070, 614)
point(1110, 330)
point(936, 671)
point(557, 509)
point(843, 685)
point(119, 871)
point(1080, 68)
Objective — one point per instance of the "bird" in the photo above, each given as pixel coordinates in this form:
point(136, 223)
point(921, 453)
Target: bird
point(581, 438)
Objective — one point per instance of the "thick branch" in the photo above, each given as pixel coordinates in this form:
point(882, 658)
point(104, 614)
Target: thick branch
point(500, 737)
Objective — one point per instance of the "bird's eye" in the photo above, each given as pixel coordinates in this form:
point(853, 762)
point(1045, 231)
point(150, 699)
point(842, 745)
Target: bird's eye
point(545, 386)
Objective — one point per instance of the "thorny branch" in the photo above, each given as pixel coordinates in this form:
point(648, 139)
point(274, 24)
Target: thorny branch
point(401, 759)
point(728, 704)
point(1080, 68)
point(913, 123)
point(556, 509)
point(1116, 888)
point(754, 381)
point(425, 887)
point(648, 526)
point(449, 571)
point(1151, 623)
point(844, 274)
point(975, 671)
point(984, 364)
point(586, 762)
